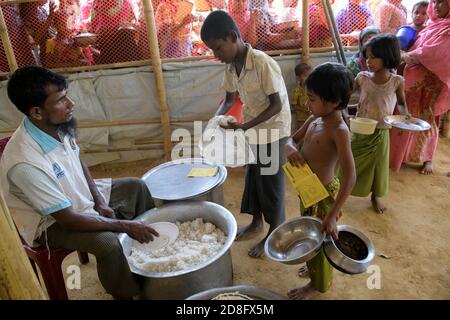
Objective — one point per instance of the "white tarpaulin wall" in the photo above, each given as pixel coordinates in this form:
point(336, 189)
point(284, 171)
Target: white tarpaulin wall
point(193, 91)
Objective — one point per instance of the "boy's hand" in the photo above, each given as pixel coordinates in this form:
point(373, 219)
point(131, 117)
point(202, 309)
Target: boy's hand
point(293, 156)
point(233, 125)
point(329, 226)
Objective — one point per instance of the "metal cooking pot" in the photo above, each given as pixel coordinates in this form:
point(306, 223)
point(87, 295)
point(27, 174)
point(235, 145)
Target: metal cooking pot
point(169, 182)
point(300, 239)
point(344, 263)
point(250, 291)
point(216, 272)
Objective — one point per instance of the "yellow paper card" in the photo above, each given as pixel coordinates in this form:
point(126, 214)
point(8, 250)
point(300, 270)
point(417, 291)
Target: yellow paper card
point(311, 190)
point(295, 173)
point(308, 185)
point(203, 172)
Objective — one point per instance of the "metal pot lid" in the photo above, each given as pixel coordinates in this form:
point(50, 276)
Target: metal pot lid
point(170, 181)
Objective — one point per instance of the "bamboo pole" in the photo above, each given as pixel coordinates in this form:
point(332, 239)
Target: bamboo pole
point(17, 278)
point(332, 31)
point(305, 32)
point(157, 70)
point(329, 12)
point(141, 63)
point(7, 43)
point(130, 122)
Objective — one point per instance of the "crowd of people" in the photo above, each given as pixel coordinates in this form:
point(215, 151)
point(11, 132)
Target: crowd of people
point(72, 33)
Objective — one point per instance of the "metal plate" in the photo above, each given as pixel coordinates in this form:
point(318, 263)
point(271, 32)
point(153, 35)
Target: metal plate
point(170, 181)
point(405, 123)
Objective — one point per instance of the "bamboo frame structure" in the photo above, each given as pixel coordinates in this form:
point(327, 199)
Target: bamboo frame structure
point(17, 279)
point(332, 31)
point(7, 43)
point(329, 12)
point(157, 69)
point(156, 63)
point(305, 32)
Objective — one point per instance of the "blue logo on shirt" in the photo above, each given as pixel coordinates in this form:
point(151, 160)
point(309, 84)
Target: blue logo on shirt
point(58, 171)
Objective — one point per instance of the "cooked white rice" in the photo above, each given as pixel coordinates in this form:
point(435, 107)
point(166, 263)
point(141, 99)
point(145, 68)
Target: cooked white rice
point(197, 242)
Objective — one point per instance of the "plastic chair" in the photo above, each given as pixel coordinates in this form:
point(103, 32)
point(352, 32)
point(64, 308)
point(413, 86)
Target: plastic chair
point(50, 268)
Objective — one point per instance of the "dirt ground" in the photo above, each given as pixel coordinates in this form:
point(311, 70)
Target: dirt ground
point(411, 239)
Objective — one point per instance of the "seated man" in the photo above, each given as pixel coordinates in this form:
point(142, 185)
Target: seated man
point(53, 198)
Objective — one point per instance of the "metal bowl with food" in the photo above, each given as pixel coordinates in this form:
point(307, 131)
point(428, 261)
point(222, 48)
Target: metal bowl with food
point(240, 292)
point(295, 241)
point(352, 253)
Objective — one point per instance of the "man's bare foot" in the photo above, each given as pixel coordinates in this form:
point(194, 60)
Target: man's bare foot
point(303, 293)
point(257, 251)
point(255, 227)
point(427, 168)
point(377, 205)
point(303, 271)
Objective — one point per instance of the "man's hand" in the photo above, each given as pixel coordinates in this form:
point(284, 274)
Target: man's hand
point(329, 226)
point(105, 211)
point(140, 231)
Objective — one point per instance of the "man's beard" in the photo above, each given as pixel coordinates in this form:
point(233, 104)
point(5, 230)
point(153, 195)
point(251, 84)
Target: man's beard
point(69, 127)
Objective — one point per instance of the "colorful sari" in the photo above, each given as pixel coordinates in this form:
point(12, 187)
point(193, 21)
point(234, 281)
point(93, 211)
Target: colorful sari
point(427, 93)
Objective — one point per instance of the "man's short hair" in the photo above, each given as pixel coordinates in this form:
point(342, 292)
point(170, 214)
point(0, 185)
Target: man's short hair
point(301, 68)
point(27, 87)
point(218, 25)
point(386, 47)
point(332, 82)
point(420, 4)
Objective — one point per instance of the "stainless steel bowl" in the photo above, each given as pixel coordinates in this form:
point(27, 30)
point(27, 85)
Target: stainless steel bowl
point(250, 291)
point(216, 272)
point(341, 261)
point(295, 241)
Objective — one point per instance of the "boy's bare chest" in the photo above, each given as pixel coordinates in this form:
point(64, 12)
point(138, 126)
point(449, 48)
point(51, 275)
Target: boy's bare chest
point(318, 142)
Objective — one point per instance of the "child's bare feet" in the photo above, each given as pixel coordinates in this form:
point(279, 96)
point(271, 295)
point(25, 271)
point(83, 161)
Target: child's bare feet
point(427, 168)
point(377, 205)
point(255, 227)
point(257, 251)
point(303, 271)
point(303, 293)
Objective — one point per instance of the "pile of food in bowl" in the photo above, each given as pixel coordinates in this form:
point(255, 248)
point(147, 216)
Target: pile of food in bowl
point(351, 245)
point(197, 241)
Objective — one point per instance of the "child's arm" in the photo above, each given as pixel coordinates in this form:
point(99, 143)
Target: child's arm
point(342, 141)
point(273, 109)
point(230, 97)
point(291, 150)
point(401, 100)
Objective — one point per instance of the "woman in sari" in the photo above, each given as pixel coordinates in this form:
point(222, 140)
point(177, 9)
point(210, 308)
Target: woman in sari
point(427, 82)
point(358, 63)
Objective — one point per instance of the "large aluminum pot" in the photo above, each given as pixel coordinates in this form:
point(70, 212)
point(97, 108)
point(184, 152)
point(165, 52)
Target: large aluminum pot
point(216, 272)
point(169, 182)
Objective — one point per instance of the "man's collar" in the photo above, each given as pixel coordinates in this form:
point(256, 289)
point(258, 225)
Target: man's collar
point(44, 140)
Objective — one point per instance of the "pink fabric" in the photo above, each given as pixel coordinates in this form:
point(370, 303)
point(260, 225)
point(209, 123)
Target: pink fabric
point(427, 92)
point(431, 46)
